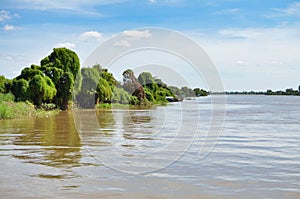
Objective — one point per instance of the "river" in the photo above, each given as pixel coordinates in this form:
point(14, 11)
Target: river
point(156, 153)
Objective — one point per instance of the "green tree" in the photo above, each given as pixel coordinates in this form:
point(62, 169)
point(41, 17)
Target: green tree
point(161, 94)
point(104, 93)
point(146, 80)
point(200, 92)
point(106, 75)
point(270, 92)
point(19, 89)
point(155, 89)
point(291, 91)
point(53, 73)
point(3, 82)
point(62, 66)
point(90, 78)
point(63, 58)
point(176, 91)
point(41, 89)
point(64, 88)
point(120, 96)
point(149, 95)
point(28, 73)
point(187, 92)
point(86, 98)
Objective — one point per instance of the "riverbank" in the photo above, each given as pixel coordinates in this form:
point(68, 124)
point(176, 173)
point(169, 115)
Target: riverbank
point(15, 110)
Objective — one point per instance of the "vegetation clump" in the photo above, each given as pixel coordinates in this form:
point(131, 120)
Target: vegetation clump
point(51, 82)
point(100, 88)
point(10, 109)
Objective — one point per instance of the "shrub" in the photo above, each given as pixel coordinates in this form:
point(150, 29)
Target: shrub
point(9, 110)
point(8, 97)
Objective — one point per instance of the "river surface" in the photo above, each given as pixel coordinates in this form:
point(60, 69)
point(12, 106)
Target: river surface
point(166, 152)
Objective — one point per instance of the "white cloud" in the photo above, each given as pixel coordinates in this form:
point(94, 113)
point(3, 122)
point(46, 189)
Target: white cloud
point(152, 1)
point(122, 43)
point(256, 58)
point(8, 27)
point(66, 44)
point(4, 15)
point(132, 35)
point(240, 33)
point(292, 10)
point(136, 34)
point(82, 7)
point(228, 11)
point(90, 35)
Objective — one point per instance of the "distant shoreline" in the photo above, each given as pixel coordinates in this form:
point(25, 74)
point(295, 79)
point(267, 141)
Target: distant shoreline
point(287, 92)
point(224, 93)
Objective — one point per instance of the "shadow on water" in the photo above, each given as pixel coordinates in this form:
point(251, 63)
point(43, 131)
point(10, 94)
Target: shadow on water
point(51, 141)
point(106, 119)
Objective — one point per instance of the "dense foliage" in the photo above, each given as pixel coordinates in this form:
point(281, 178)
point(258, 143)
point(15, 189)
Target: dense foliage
point(52, 82)
point(10, 109)
point(100, 87)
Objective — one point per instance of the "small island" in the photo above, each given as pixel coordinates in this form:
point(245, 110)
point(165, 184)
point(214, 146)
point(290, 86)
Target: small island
point(59, 81)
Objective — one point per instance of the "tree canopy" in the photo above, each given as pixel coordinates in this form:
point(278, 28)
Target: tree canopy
point(52, 82)
point(41, 89)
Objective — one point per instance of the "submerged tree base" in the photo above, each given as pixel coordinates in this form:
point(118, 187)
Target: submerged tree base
point(147, 105)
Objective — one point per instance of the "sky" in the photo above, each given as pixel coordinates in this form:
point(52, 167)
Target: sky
point(255, 45)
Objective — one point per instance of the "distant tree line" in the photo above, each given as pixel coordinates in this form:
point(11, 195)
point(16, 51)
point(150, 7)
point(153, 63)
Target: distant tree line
point(288, 91)
point(54, 83)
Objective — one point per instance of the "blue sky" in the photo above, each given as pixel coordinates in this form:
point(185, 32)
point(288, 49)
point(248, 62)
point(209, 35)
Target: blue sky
point(254, 44)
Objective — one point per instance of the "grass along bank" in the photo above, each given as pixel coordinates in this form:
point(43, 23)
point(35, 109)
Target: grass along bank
point(14, 110)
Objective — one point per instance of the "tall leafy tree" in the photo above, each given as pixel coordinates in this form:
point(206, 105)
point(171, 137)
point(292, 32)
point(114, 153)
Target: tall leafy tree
point(104, 92)
point(63, 58)
point(86, 98)
point(106, 75)
point(3, 82)
point(146, 80)
point(64, 88)
point(62, 66)
point(20, 89)
point(120, 96)
point(42, 89)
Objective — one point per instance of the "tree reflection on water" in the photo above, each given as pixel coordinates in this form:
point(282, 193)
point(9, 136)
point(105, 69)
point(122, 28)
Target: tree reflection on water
point(52, 141)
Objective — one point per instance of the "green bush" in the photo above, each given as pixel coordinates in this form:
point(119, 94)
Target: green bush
point(10, 110)
point(120, 96)
point(149, 95)
point(48, 107)
point(8, 97)
point(134, 100)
